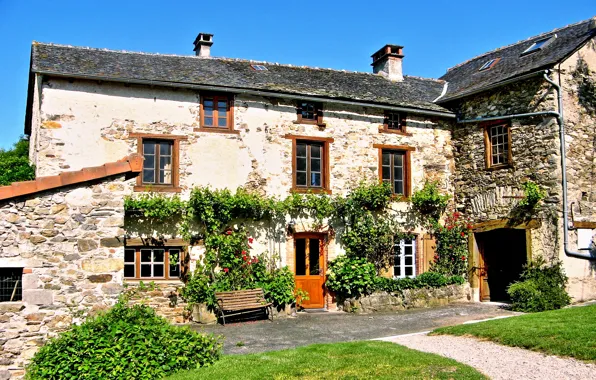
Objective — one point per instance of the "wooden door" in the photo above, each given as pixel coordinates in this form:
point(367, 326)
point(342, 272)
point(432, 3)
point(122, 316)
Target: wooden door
point(483, 273)
point(309, 268)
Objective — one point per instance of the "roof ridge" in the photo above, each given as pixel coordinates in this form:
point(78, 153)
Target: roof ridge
point(253, 61)
point(131, 163)
point(517, 43)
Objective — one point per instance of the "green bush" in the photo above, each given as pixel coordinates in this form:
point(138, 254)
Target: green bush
point(542, 288)
point(351, 277)
point(14, 164)
point(123, 343)
point(424, 280)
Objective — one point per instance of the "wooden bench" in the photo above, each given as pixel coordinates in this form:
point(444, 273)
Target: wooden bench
point(241, 302)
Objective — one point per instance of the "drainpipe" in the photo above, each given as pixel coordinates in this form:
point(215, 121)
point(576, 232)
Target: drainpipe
point(560, 122)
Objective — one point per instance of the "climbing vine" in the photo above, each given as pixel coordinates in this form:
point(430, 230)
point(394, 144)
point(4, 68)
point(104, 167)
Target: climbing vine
point(586, 86)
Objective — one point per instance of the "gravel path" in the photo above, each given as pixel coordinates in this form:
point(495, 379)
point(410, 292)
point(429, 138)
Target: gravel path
point(497, 361)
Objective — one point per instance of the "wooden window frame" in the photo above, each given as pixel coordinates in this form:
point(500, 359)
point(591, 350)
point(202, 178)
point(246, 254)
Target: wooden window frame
point(488, 148)
point(325, 167)
point(166, 262)
point(403, 123)
point(175, 139)
point(318, 113)
point(407, 150)
point(229, 98)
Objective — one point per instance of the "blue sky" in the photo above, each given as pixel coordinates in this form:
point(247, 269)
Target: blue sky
point(336, 34)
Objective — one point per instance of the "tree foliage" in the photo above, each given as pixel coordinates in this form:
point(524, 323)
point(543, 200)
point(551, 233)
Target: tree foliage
point(14, 164)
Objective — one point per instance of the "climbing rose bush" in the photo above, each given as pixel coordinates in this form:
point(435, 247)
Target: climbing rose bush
point(451, 258)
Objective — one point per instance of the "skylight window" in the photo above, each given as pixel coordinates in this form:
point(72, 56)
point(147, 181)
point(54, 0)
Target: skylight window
point(259, 67)
point(489, 64)
point(539, 45)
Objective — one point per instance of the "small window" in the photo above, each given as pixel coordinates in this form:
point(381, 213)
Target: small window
point(498, 145)
point(216, 113)
point(309, 165)
point(395, 170)
point(539, 45)
point(11, 284)
point(157, 162)
point(489, 64)
point(160, 161)
point(259, 67)
point(310, 113)
point(152, 263)
point(394, 122)
point(404, 260)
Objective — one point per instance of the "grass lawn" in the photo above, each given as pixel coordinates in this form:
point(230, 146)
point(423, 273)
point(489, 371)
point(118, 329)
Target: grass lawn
point(355, 360)
point(565, 332)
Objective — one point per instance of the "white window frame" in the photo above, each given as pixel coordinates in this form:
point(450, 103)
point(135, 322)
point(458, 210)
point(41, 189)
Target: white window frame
point(402, 256)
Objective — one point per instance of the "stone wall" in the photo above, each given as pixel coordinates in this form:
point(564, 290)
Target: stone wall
point(492, 194)
point(410, 299)
point(69, 243)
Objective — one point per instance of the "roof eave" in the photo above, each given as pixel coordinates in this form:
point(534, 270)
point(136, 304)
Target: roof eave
point(494, 85)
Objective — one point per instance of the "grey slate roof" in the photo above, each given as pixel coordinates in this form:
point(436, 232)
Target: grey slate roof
point(465, 78)
point(112, 65)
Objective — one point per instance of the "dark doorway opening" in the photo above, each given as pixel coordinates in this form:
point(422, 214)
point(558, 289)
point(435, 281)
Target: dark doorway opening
point(502, 257)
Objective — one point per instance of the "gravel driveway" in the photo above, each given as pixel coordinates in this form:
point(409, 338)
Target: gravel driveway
point(496, 361)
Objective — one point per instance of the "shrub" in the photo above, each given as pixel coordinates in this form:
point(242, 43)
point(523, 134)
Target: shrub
point(431, 280)
point(425, 280)
point(351, 277)
point(542, 288)
point(123, 343)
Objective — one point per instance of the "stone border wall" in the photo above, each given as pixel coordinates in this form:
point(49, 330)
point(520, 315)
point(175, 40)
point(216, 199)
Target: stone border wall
point(411, 299)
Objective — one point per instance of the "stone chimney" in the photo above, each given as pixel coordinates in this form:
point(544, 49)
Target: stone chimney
point(203, 44)
point(387, 62)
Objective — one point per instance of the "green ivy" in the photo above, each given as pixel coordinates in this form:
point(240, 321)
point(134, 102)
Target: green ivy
point(532, 195)
point(429, 202)
point(155, 205)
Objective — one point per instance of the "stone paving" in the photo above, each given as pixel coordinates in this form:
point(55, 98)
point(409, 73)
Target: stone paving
point(329, 327)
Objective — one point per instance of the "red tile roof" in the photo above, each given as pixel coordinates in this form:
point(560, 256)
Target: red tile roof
point(132, 163)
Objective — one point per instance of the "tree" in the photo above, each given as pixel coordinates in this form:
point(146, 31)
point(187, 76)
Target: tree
point(14, 163)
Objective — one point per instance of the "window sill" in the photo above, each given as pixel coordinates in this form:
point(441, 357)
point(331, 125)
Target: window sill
point(310, 122)
point(217, 130)
point(394, 131)
point(499, 167)
point(147, 281)
point(159, 189)
point(399, 198)
point(302, 190)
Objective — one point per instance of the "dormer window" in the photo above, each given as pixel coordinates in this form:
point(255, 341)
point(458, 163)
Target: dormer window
point(310, 113)
point(489, 64)
point(539, 45)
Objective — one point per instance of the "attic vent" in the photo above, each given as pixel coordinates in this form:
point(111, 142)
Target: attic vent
point(489, 64)
point(259, 67)
point(539, 45)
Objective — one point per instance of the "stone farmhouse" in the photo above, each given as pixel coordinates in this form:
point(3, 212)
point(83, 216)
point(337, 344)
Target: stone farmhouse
point(106, 124)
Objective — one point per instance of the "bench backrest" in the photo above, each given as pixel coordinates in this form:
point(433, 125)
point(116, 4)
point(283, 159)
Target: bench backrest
point(239, 299)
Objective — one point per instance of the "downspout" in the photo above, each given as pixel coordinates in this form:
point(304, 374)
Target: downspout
point(560, 121)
